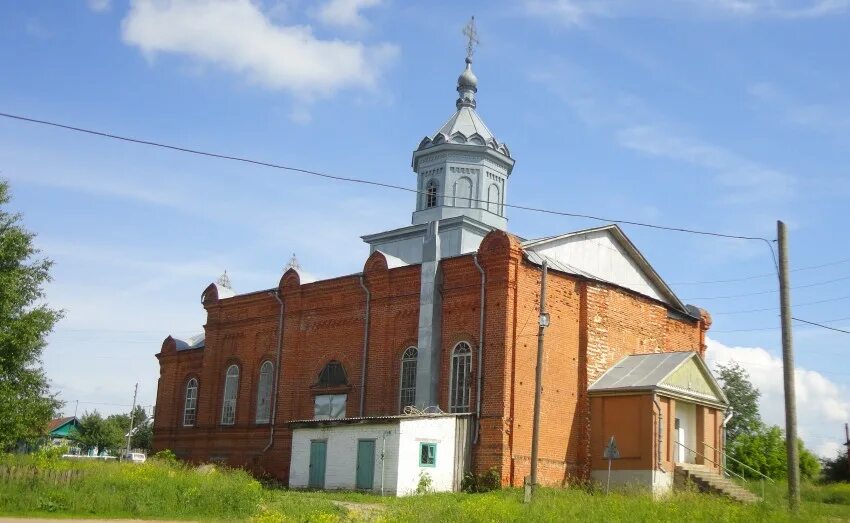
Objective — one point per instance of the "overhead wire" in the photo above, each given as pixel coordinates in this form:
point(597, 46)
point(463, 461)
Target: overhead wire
point(366, 181)
point(375, 183)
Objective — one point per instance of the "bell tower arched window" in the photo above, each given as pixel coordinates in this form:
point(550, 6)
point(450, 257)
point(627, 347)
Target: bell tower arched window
point(431, 190)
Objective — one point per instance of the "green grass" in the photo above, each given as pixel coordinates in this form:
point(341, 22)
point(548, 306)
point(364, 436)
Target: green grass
point(158, 490)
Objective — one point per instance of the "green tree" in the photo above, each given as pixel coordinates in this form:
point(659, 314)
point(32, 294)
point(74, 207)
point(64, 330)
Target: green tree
point(26, 405)
point(743, 398)
point(836, 469)
point(142, 433)
point(764, 450)
point(95, 431)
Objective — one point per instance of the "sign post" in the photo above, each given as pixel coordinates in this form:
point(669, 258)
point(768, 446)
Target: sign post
point(611, 453)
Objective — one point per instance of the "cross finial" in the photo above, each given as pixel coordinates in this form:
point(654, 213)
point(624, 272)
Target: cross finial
point(471, 36)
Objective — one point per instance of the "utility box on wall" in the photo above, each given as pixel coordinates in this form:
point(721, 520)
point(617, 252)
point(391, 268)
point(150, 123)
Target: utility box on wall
point(388, 454)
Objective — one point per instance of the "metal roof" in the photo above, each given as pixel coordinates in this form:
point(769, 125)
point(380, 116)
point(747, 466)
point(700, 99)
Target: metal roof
point(193, 342)
point(374, 419)
point(640, 371)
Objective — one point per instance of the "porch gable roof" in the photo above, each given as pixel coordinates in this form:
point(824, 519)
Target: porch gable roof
point(682, 374)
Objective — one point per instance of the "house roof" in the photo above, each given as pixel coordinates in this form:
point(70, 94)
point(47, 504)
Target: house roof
point(629, 249)
point(675, 373)
point(58, 423)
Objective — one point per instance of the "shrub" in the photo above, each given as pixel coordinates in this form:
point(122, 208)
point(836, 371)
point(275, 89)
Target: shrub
point(425, 483)
point(166, 456)
point(484, 482)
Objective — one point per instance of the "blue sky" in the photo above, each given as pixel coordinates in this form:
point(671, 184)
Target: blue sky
point(711, 114)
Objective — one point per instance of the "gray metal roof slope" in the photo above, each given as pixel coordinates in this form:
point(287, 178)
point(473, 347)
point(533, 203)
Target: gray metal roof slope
point(642, 372)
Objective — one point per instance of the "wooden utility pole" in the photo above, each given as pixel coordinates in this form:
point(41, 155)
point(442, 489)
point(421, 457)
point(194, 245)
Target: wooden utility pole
point(132, 409)
point(847, 442)
point(542, 322)
point(788, 372)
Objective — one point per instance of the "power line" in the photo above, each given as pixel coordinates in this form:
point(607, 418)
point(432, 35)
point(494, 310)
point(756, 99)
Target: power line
point(821, 325)
point(773, 328)
point(777, 308)
point(764, 275)
point(372, 182)
point(772, 291)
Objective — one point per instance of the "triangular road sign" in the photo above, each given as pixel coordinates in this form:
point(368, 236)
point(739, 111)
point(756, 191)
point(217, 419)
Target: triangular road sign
point(611, 451)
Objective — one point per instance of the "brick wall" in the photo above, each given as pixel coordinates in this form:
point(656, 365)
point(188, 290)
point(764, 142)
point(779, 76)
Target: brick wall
point(593, 325)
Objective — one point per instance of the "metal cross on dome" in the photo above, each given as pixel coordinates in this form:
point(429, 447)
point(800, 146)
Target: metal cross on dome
point(472, 37)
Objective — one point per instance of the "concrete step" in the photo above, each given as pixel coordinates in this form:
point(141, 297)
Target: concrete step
point(708, 480)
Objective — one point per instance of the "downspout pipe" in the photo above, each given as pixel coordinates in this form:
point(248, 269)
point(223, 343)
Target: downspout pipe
point(365, 345)
point(660, 433)
point(480, 349)
point(273, 419)
point(723, 427)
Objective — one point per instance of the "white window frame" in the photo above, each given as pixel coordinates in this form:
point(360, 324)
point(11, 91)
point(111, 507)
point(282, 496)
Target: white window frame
point(461, 372)
point(230, 396)
point(264, 393)
point(190, 403)
point(408, 359)
point(329, 406)
point(432, 183)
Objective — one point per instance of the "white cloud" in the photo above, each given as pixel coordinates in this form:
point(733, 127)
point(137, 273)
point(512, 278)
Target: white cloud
point(822, 405)
point(572, 13)
point(567, 12)
point(748, 180)
point(238, 37)
point(638, 127)
point(831, 120)
point(99, 6)
point(345, 13)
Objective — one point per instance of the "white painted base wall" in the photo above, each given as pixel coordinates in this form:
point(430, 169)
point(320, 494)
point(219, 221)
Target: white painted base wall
point(661, 483)
point(401, 468)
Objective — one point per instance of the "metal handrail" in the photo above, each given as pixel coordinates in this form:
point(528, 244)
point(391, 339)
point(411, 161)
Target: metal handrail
point(726, 454)
point(711, 460)
point(722, 467)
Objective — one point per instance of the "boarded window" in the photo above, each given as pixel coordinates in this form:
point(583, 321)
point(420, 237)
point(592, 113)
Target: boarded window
point(231, 389)
point(329, 406)
point(264, 392)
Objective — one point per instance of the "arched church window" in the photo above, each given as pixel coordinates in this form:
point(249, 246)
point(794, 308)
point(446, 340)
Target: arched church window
point(190, 405)
point(231, 388)
point(493, 202)
point(332, 374)
point(407, 394)
point(264, 393)
point(461, 378)
point(463, 192)
point(431, 193)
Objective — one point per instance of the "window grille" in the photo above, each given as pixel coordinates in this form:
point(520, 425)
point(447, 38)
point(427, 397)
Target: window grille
point(407, 395)
point(231, 389)
point(461, 378)
point(190, 406)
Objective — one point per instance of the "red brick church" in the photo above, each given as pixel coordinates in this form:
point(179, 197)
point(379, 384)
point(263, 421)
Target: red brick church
point(444, 318)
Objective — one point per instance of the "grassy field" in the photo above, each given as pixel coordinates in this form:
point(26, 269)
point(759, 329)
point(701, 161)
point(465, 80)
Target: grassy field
point(158, 490)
